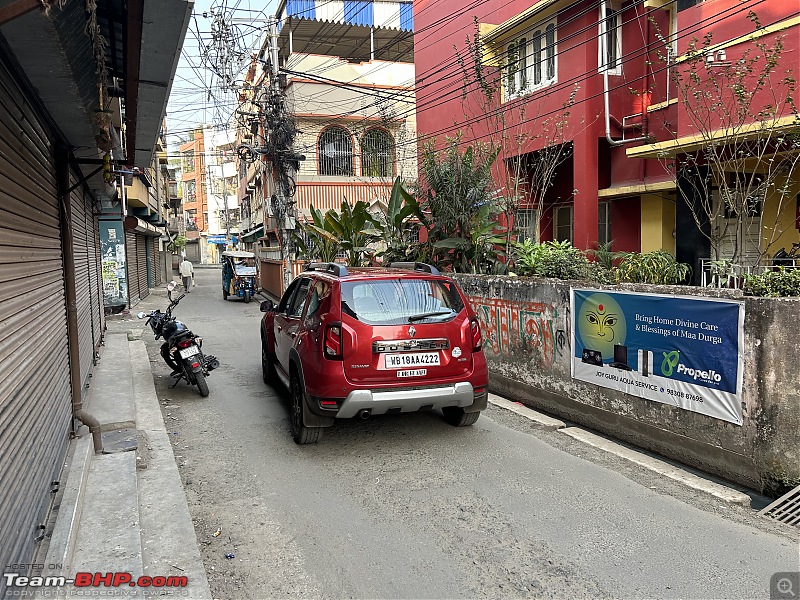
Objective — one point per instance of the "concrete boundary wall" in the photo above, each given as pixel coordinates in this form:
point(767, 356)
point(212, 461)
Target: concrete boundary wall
point(527, 331)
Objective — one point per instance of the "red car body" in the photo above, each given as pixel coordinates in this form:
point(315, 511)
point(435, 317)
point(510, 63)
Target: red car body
point(352, 342)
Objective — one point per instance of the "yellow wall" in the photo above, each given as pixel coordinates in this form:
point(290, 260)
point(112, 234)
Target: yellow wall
point(658, 223)
point(784, 223)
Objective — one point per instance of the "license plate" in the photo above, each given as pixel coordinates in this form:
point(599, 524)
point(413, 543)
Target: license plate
point(412, 373)
point(412, 359)
point(190, 351)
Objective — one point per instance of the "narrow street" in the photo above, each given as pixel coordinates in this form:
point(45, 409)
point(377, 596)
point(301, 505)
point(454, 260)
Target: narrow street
point(406, 506)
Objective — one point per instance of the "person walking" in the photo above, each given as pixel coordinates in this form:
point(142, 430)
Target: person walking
point(187, 274)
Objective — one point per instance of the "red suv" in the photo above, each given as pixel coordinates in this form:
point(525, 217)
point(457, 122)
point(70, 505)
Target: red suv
point(352, 342)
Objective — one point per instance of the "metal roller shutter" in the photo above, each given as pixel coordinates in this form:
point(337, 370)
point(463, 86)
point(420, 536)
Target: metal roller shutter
point(35, 398)
point(95, 280)
point(83, 294)
point(133, 268)
point(158, 266)
point(141, 265)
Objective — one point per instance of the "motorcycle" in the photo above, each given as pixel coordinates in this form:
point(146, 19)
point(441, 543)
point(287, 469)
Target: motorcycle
point(181, 350)
point(782, 258)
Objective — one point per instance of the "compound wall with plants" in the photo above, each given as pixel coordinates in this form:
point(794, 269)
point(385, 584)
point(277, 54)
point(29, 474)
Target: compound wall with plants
point(527, 328)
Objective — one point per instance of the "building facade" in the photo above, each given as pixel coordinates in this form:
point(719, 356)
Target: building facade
point(606, 82)
point(346, 80)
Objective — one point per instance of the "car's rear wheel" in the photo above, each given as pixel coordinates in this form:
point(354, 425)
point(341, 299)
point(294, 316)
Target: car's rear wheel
point(457, 417)
point(301, 433)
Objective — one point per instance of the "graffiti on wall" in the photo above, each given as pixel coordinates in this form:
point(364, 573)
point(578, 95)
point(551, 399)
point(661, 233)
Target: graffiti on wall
point(526, 328)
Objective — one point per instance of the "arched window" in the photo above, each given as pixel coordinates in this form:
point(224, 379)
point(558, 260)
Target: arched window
point(335, 152)
point(377, 154)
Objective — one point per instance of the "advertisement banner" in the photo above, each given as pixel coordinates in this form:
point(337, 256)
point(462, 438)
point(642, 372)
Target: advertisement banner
point(679, 350)
point(112, 251)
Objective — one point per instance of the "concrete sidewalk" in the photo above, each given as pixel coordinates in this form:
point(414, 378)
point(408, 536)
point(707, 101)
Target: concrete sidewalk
point(125, 510)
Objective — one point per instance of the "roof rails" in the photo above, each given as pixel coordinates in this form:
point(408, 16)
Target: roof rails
point(329, 267)
point(415, 266)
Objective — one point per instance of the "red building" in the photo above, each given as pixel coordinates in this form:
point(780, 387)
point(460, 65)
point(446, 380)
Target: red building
point(604, 90)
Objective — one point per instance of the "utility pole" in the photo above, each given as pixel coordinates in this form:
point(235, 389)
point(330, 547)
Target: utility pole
point(278, 110)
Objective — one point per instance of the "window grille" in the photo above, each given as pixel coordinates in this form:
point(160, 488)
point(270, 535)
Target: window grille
point(603, 223)
point(335, 152)
point(377, 154)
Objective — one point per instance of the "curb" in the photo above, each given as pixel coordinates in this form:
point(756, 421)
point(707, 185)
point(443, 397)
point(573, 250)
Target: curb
point(674, 472)
point(169, 542)
point(677, 473)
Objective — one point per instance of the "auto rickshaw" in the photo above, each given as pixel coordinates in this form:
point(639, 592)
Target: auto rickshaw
point(239, 274)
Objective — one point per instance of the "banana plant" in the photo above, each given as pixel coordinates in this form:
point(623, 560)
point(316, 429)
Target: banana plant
point(320, 241)
point(356, 229)
point(397, 225)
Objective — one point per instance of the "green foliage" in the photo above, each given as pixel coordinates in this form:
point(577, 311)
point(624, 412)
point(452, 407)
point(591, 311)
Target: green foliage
point(773, 284)
point(179, 243)
point(397, 228)
point(560, 260)
point(458, 206)
point(355, 228)
point(657, 267)
point(605, 256)
point(320, 242)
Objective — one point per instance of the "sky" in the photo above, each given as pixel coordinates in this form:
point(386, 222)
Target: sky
point(197, 94)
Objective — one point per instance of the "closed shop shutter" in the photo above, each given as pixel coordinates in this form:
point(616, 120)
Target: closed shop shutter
point(133, 268)
point(35, 398)
point(81, 231)
point(96, 283)
point(193, 252)
point(158, 262)
point(141, 265)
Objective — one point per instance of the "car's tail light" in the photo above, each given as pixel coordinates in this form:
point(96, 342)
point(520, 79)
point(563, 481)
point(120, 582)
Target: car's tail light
point(185, 343)
point(332, 345)
point(477, 338)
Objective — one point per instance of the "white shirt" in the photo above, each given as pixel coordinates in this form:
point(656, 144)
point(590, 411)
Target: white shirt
point(186, 269)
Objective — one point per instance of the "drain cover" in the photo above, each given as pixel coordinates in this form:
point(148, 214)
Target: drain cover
point(785, 509)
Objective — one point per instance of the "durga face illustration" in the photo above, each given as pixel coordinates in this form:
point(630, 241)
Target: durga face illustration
point(602, 324)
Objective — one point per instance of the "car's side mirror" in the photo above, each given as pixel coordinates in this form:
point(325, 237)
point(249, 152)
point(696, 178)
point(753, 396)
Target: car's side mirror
point(267, 306)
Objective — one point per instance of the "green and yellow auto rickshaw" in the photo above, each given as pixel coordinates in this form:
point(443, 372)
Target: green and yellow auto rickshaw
point(239, 274)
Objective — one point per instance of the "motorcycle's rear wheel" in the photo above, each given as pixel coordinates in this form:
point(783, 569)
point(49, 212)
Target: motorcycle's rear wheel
point(200, 379)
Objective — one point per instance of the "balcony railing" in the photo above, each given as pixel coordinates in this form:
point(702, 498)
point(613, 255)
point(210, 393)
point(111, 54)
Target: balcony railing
point(726, 274)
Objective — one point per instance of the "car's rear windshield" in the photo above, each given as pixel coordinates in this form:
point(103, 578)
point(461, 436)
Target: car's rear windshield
point(401, 301)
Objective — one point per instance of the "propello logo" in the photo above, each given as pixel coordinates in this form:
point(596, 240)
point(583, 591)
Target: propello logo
point(671, 360)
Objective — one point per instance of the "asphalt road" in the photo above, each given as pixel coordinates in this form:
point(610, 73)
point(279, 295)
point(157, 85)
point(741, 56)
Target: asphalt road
point(406, 506)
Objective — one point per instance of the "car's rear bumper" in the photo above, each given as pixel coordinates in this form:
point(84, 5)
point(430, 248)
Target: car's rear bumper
point(410, 400)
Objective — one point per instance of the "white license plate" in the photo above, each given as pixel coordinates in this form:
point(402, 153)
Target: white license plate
point(412, 359)
point(412, 373)
point(190, 351)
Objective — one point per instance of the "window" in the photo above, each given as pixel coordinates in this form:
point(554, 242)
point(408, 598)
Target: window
point(298, 301)
point(190, 191)
point(603, 223)
point(335, 152)
point(377, 154)
point(531, 63)
point(526, 224)
point(401, 301)
point(188, 162)
point(562, 228)
point(611, 42)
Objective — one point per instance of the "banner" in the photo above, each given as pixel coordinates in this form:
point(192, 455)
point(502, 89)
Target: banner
point(679, 350)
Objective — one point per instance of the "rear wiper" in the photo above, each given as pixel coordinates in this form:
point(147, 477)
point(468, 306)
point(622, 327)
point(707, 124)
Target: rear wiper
point(421, 316)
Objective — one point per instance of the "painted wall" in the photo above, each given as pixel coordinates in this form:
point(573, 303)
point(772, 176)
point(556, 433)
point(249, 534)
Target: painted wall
point(526, 326)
